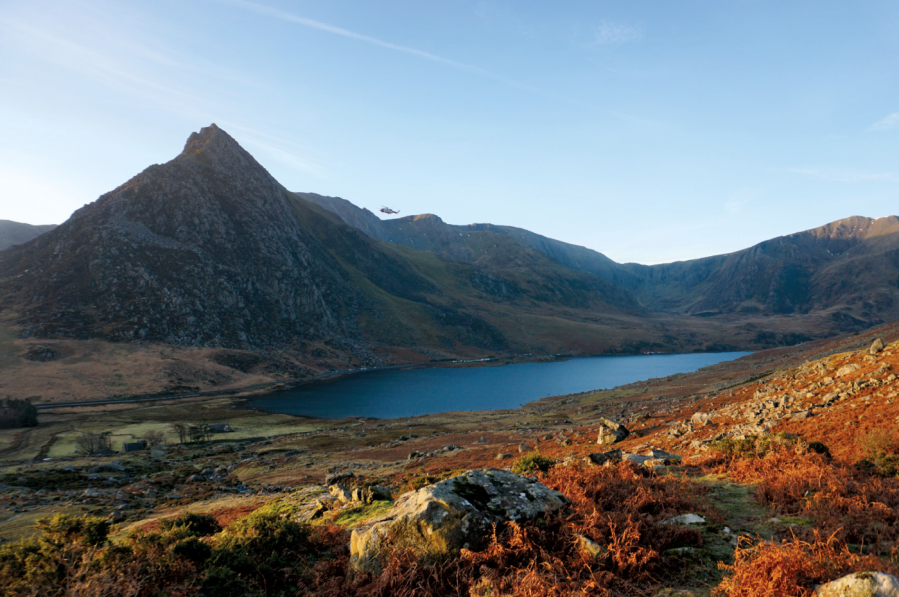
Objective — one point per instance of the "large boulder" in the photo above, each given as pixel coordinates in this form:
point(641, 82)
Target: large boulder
point(876, 346)
point(441, 519)
point(610, 432)
point(861, 584)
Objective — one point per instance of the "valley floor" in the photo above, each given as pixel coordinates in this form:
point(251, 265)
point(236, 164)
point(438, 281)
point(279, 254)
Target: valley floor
point(815, 507)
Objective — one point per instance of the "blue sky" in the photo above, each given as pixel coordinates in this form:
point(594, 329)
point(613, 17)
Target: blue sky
point(649, 131)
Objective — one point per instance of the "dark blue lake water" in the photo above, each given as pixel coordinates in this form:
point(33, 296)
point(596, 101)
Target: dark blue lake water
point(408, 392)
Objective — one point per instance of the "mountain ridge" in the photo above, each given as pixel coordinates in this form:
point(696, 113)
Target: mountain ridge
point(209, 250)
point(708, 285)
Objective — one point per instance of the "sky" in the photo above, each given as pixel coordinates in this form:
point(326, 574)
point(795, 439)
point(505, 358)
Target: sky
point(650, 131)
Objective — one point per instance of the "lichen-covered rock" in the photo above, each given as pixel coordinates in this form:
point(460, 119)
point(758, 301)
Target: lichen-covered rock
point(861, 584)
point(371, 493)
point(847, 369)
point(699, 419)
point(441, 519)
point(610, 432)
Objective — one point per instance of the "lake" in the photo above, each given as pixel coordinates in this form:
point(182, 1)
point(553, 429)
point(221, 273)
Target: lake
point(408, 392)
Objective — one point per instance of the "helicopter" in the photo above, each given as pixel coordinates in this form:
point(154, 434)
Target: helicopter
point(387, 210)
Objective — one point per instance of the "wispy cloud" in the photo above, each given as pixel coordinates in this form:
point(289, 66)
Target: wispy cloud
point(735, 204)
point(470, 68)
point(843, 175)
point(313, 24)
point(891, 121)
point(608, 33)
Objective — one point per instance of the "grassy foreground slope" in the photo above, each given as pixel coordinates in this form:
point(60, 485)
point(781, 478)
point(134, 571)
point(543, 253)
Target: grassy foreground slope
point(790, 455)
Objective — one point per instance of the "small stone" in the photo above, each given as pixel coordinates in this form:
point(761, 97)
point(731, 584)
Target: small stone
point(502, 456)
point(876, 346)
point(592, 549)
point(680, 551)
point(523, 448)
point(685, 519)
point(701, 419)
point(336, 478)
point(667, 457)
point(604, 457)
point(801, 415)
point(847, 369)
point(344, 495)
point(481, 440)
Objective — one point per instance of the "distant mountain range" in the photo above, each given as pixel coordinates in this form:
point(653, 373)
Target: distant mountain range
point(210, 250)
point(15, 233)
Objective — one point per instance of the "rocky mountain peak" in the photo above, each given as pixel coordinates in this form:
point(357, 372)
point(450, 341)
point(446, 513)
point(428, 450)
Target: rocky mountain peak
point(214, 148)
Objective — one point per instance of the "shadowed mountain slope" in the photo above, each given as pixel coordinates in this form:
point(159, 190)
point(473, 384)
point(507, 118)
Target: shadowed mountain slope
point(204, 249)
point(16, 233)
point(848, 269)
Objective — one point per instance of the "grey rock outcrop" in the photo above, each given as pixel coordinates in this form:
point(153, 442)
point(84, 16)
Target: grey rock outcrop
point(876, 346)
point(604, 457)
point(847, 369)
point(861, 584)
point(610, 432)
point(445, 517)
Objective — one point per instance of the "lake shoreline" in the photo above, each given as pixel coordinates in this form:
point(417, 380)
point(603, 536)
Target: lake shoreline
point(265, 402)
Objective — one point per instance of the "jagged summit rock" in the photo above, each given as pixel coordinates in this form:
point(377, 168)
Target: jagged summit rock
point(214, 148)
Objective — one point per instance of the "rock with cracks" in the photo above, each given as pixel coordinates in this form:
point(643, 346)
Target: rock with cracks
point(861, 584)
point(440, 519)
point(610, 432)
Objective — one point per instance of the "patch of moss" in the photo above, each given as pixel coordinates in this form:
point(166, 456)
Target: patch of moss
point(355, 515)
point(529, 463)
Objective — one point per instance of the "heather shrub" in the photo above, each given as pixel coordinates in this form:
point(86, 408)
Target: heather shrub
point(750, 446)
point(819, 448)
point(529, 463)
point(89, 530)
point(199, 525)
point(878, 443)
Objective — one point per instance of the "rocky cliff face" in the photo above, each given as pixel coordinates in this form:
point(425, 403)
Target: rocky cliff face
point(202, 250)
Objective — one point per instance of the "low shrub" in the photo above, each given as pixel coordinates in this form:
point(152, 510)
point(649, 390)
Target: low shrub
point(529, 463)
point(878, 443)
point(750, 446)
point(199, 525)
point(819, 448)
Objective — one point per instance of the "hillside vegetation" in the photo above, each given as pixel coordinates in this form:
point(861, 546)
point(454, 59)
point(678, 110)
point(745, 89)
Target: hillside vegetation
point(787, 461)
